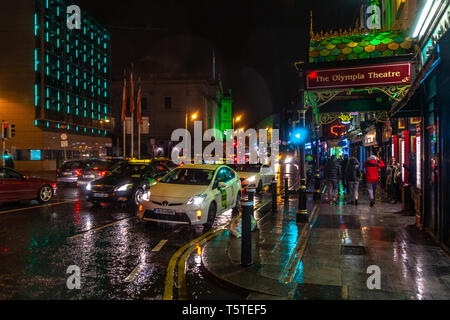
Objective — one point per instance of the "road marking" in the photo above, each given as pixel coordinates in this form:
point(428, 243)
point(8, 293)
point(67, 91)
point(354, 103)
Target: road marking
point(38, 206)
point(159, 246)
point(134, 273)
point(97, 228)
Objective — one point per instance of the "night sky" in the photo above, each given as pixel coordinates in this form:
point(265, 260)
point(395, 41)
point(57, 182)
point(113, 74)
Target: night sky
point(255, 42)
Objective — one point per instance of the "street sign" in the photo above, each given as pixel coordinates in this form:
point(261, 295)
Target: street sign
point(364, 76)
point(63, 136)
point(64, 144)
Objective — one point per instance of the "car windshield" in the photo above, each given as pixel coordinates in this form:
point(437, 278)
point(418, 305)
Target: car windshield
point(129, 169)
point(245, 167)
point(200, 177)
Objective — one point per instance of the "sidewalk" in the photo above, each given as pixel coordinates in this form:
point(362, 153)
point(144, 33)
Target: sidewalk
point(332, 262)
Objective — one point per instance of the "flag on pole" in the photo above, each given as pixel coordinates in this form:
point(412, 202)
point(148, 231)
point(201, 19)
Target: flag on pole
point(138, 108)
point(124, 99)
point(131, 93)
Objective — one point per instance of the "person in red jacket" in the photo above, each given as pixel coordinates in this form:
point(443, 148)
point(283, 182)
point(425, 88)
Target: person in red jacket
point(372, 166)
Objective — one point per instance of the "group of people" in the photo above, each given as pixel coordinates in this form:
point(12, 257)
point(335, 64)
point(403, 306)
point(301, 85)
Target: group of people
point(348, 171)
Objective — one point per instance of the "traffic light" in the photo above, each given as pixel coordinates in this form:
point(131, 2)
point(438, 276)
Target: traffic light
point(5, 130)
point(12, 131)
point(299, 135)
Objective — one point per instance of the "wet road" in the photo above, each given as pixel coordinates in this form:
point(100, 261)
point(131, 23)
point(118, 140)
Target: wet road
point(119, 257)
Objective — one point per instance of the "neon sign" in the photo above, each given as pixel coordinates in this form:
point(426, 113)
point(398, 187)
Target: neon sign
point(337, 130)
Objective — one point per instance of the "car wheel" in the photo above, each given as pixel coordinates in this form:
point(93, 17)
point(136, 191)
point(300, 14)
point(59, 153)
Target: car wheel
point(137, 197)
point(260, 186)
point(45, 193)
point(211, 216)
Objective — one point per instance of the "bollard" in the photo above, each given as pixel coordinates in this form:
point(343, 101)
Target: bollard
point(273, 187)
point(317, 193)
point(302, 213)
point(250, 194)
point(246, 239)
point(286, 189)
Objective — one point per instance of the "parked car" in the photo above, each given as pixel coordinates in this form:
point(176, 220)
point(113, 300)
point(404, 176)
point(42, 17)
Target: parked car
point(127, 184)
point(14, 186)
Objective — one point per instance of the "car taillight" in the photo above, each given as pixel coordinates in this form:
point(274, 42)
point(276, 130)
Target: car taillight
point(58, 170)
point(102, 173)
point(78, 172)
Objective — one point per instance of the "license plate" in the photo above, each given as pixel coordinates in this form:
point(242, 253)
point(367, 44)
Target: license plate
point(67, 173)
point(100, 195)
point(164, 211)
point(88, 176)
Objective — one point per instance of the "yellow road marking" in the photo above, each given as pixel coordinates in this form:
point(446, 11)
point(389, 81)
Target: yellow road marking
point(168, 286)
point(182, 289)
point(159, 246)
point(38, 206)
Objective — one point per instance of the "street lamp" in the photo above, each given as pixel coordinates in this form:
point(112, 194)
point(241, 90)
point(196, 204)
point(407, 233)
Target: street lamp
point(236, 119)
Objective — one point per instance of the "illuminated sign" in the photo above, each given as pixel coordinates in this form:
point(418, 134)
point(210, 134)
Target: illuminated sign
point(418, 174)
point(372, 75)
point(338, 130)
point(345, 118)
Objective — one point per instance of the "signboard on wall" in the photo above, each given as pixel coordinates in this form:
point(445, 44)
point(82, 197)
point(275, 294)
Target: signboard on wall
point(364, 76)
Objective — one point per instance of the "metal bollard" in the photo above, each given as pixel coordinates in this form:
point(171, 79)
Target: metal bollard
point(273, 187)
point(246, 239)
point(286, 189)
point(250, 194)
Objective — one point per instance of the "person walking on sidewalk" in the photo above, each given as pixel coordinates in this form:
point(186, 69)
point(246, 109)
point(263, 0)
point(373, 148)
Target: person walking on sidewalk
point(344, 165)
point(352, 174)
point(332, 175)
point(392, 180)
point(372, 166)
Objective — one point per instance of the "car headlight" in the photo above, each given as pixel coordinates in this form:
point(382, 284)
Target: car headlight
point(146, 196)
point(125, 187)
point(197, 200)
point(89, 186)
point(251, 179)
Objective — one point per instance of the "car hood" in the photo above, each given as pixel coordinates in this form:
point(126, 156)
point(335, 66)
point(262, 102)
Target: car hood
point(246, 175)
point(175, 192)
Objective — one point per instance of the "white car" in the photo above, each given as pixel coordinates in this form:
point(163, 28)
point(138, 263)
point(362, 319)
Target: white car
point(254, 175)
point(193, 194)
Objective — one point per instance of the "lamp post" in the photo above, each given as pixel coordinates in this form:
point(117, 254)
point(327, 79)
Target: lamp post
point(302, 213)
point(236, 119)
point(317, 165)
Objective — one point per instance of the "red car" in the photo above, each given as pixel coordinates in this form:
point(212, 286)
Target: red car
point(14, 186)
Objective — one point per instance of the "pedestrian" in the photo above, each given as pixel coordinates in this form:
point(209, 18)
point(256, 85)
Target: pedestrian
point(344, 164)
point(332, 176)
point(372, 166)
point(392, 180)
point(352, 175)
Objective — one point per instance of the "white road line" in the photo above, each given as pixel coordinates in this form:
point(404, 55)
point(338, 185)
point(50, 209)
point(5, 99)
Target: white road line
point(134, 273)
point(159, 246)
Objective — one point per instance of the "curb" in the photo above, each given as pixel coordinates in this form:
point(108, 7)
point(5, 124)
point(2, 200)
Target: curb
point(271, 287)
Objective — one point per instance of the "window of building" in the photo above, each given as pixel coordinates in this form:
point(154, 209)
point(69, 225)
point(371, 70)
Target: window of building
point(144, 103)
point(168, 103)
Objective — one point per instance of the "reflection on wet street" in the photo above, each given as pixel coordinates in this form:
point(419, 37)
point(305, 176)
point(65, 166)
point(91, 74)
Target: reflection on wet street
point(119, 257)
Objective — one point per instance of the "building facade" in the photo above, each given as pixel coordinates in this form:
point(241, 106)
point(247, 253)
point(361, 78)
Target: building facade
point(169, 102)
point(54, 80)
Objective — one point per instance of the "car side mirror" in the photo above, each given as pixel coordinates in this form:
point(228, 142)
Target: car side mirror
point(221, 185)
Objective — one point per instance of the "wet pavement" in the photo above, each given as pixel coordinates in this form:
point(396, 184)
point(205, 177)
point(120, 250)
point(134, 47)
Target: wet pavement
point(119, 256)
point(330, 260)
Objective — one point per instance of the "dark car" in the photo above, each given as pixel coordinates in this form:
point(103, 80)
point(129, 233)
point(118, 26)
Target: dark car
point(169, 164)
point(71, 171)
point(14, 186)
point(126, 184)
point(96, 170)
